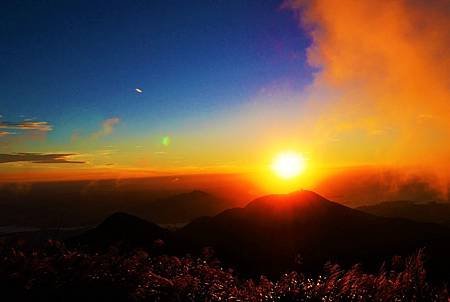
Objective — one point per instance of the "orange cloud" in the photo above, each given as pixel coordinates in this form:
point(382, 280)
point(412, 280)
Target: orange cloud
point(384, 69)
point(366, 185)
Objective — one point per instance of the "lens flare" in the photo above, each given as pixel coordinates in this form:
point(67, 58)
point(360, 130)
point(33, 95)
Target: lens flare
point(165, 141)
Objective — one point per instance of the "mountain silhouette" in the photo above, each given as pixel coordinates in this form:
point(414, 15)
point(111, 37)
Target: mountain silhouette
point(80, 204)
point(437, 212)
point(124, 229)
point(277, 233)
point(269, 233)
point(183, 208)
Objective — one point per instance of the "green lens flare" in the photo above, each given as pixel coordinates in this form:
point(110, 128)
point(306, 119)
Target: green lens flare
point(165, 141)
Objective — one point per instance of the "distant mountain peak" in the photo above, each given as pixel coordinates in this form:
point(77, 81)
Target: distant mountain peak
point(184, 207)
point(120, 216)
point(194, 194)
point(122, 219)
point(301, 198)
point(200, 192)
point(197, 193)
point(310, 195)
point(123, 227)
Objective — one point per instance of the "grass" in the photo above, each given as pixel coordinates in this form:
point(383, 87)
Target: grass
point(55, 273)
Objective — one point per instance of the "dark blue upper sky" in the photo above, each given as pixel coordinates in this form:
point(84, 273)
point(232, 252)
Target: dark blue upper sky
point(75, 63)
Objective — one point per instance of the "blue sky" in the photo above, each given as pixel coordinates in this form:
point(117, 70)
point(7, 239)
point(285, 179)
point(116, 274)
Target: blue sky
point(77, 63)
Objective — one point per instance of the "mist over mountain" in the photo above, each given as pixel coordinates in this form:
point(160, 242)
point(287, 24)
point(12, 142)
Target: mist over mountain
point(83, 203)
point(182, 208)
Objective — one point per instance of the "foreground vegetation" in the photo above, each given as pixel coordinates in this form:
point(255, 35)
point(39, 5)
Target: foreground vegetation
point(55, 273)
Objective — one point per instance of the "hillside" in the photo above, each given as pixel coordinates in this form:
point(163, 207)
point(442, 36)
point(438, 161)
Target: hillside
point(434, 212)
point(269, 233)
point(121, 229)
point(276, 233)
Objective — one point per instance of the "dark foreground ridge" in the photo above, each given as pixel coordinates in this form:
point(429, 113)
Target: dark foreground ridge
point(294, 247)
point(278, 233)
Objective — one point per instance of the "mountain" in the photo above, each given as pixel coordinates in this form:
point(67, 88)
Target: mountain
point(79, 206)
point(124, 229)
point(277, 233)
point(419, 211)
point(267, 235)
point(183, 208)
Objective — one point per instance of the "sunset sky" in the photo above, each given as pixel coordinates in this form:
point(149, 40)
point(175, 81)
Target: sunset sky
point(100, 89)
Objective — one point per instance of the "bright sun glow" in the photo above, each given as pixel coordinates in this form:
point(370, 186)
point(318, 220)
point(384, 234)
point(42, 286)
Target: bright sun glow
point(288, 165)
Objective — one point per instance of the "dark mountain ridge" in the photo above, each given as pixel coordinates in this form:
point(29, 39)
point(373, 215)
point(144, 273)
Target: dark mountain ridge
point(124, 229)
point(436, 212)
point(268, 235)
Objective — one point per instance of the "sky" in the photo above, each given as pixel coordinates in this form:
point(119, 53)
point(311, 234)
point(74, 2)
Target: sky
point(70, 71)
point(107, 88)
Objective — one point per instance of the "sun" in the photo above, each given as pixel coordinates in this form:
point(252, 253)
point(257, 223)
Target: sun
point(288, 165)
